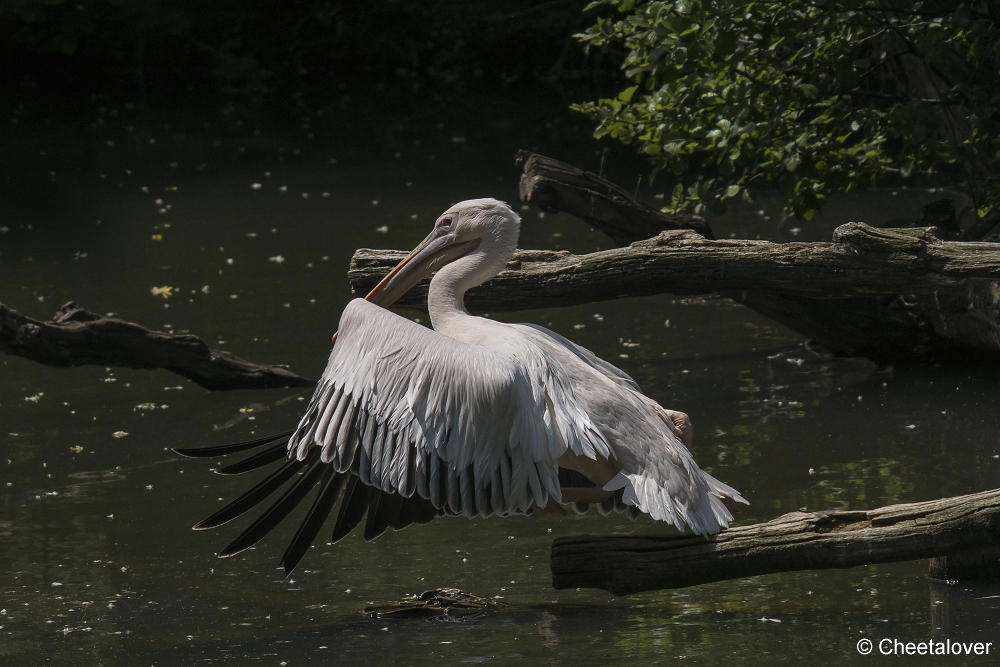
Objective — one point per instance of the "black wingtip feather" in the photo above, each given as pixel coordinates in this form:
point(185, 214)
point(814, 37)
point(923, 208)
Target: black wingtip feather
point(353, 509)
point(252, 497)
point(330, 488)
point(381, 513)
point(258, 460)
point(233, 448)
point(274, 514)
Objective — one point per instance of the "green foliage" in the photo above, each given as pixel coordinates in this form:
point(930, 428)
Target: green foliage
point(807, 95)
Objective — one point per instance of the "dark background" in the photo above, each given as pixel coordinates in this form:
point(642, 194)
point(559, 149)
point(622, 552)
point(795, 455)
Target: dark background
point(100, 93)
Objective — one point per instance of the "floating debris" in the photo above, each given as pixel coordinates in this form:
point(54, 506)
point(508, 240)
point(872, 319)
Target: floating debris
point(277, 259)
point(166, 291)
point(119, 434)
point(446, 603)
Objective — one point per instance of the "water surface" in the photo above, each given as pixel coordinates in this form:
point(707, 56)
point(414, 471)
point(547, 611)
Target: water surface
point(100, 564)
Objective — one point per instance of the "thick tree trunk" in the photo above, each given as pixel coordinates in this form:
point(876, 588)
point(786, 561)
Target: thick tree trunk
point(861, 260)
point(795, 541)
point(76, 337)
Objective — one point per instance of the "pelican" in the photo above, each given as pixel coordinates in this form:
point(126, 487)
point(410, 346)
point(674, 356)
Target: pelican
point(474, 418)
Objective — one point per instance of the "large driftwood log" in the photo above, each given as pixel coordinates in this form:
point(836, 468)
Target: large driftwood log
point(76, 337)
point(861, 260)
point(796, 541)
point(888, 329)
point(555, 186)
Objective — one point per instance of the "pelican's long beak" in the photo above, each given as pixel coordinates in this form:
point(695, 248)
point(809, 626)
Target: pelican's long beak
point(438, 249)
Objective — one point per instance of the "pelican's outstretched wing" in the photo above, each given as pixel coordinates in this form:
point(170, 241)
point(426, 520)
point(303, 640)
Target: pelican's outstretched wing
point(406, 425)
point(475, 429)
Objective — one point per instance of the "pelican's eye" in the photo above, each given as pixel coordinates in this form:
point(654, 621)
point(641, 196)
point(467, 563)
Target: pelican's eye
point(445, 223)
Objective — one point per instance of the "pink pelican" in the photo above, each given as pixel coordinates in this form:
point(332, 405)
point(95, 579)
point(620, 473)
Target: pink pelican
point(473, 418)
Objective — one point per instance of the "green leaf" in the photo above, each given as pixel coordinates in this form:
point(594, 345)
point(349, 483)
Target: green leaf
point(626, 95)
point(809, 90)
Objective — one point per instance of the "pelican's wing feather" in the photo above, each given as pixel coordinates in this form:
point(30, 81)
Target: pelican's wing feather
point(583, 354)
point(475, 429)
point(658, 473)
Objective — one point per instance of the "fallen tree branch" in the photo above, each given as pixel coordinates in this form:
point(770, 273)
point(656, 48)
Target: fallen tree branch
point(555, 186)
point(795, 541)
point(862, 260)
point(76, 337)
point(957, 322)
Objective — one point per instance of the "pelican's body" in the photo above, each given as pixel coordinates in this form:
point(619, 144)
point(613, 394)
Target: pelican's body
point(477, 417)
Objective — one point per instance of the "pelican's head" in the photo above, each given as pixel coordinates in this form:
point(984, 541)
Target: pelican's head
point(486, 227)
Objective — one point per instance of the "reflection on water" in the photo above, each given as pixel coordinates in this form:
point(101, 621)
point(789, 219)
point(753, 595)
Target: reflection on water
point(102, 567)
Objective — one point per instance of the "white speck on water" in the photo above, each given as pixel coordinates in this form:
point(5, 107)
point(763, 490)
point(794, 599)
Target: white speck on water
point(256, 186)
point(230, 261)
point(794, 231)
point(374, 202)
point(119, 434)
point(812, 471)
point(305, 195)
point(598, 317)
point(911, 426)
point(233, 296)
point(35, 398)
point(772, 620)
point(277, 259)
point(283, 188)
point(384, 229)
point(57, 583)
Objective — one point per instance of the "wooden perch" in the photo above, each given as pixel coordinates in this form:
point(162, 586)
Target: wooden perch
point(959, 321)
point(795, 541)
point(861, 260)
point(76, 337)
point(555, 186)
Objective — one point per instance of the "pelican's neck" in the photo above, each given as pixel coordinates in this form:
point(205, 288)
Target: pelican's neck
point(446, 297)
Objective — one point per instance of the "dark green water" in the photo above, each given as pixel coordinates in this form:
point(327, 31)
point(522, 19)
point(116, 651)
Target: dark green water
point(100, 565)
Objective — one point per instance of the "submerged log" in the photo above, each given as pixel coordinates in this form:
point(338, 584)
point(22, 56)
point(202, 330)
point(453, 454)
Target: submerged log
point(861, 260)
point(795, 541)
point(76, 337)
point(961, 320)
